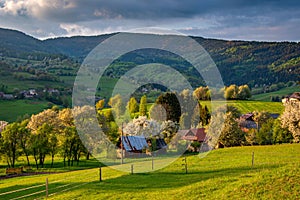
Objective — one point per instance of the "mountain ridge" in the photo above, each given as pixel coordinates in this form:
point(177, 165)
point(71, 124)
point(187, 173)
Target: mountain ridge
point(240, 62)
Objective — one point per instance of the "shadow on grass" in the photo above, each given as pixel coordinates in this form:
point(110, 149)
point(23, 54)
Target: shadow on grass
point(168, 180)
point(136, 182)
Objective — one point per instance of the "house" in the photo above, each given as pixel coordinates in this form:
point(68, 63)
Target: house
point(246, 122)
point(295, 97)
point(138, 145)
point(8, 96)
point(194, 134)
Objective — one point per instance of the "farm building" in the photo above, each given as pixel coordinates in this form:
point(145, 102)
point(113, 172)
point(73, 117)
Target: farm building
point(246, 121)
point(138, 145)
point(295, 97)
point(194, 134)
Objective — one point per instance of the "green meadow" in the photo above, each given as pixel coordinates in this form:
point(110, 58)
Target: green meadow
point(223, 174)
point(248, 106)
point(280, 93)
point(10, 110)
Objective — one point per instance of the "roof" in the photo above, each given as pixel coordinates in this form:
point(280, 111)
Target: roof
point(134, 143)
point(160, 143)
point(247, 116)
point(247, 124)
point(274, 115)
point(295, 95)
point(195, 134)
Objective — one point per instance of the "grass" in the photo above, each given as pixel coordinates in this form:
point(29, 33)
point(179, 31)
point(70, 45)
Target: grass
point(222, 174)
point(10, 110)
point(280, 93)
point(250, 106)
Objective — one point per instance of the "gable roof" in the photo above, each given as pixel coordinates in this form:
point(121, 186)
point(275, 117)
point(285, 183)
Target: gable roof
point(295, 95)
point(248, 116)
point(195, 134)
point(134, 143)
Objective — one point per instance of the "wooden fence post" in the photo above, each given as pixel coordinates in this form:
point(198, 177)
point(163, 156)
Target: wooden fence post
point(185, 164)
point(152, 163)
point(131, 168)
point(100, 173)
point(252, 159)
point(47, 188)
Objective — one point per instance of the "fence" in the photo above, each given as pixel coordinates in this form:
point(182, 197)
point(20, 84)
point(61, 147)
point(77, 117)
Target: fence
point(247, 161)
point(50, 188)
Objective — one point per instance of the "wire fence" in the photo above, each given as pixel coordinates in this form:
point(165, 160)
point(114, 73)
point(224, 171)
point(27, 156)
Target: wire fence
point(50, 188)
point(185, 165)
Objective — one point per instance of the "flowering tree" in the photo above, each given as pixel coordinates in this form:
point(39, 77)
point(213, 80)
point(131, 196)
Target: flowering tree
point(2, 125)
point(143, 126)
point(290, 119)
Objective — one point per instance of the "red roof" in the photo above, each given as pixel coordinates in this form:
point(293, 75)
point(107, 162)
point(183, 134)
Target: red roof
point(195, 134)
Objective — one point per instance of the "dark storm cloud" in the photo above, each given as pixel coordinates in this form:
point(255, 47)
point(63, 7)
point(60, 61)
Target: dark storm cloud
point(212, 18)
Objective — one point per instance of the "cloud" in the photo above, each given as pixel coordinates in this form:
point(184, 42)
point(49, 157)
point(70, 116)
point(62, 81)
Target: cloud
point(238, 19)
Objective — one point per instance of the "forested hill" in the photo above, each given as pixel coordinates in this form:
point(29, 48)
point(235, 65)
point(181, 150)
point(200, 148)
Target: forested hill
point(240, 62)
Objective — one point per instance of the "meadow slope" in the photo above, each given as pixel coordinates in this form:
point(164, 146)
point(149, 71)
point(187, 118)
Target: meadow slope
point(222, 174)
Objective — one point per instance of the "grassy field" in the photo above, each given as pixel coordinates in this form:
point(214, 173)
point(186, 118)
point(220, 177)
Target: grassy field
point(12, 109)
point(280, 93)
point(250, 106)
point(222, 174)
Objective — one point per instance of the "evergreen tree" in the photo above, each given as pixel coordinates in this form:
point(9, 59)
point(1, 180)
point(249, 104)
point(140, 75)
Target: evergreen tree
point(143, 106)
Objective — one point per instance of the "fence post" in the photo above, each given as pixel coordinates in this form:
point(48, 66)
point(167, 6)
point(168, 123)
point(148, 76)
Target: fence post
point(152, 163)
point(252, 159)
point(100, 173)
point(131, 168)
point(46, 187)
point(185, 164)
point(186, 168)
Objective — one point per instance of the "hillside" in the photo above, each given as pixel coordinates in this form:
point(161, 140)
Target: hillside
point(240, 62)
point(222, 174)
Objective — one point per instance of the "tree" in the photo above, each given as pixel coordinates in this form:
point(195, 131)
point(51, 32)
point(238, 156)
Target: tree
point(117, 105)
point(9, 138)
point(171, 105)
point(231, 92)
point(143, 106)
point(69, 139)
point(290, 119)
point(23, 138)
point(143, 126)
point(169, 129)
point(100, 104)
point(2, 125)
point(224, 129)
point(260, 118)
point(265, 134)
point(244, 92)
point(44, 127)
point(202, 93)
point(157, 112)
point(200, 117)
point(132, 106)
point(40, 144)
point(185, 122)
point(231, 134)
point(280, 134)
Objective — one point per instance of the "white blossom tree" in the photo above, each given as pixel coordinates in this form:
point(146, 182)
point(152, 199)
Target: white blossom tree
point(290, 119)
point(144, 127)
point(2, 125)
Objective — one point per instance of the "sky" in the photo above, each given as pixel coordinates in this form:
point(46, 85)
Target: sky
point(261, 20)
